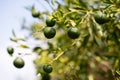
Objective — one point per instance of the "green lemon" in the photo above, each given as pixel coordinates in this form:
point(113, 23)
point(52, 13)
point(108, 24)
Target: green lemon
point(49, 32)
point(73, 32)
point(35, 13)
point(47, 68)
point(10, 50)
point(101, 18)
point(50, 22)
point(18, 62)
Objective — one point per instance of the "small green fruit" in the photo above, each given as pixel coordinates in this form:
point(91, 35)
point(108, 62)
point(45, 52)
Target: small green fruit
point(101, 18)
point(49, 32)
point(50, 22)
point(35, 13)
point(19, 62)
point(73, 32)
point(47, 68)
point(10, 50)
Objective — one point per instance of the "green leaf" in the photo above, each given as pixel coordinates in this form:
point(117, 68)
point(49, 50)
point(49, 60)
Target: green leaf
point(117, 75)
point(72, 22)
point(12, 39)
point(53, 2)
point(117, 72)
point(86, 39)
point(96, 41)
point(13, 32)
point(107, 1)
point(37, 27)
point(23, 46)
point(82, 4)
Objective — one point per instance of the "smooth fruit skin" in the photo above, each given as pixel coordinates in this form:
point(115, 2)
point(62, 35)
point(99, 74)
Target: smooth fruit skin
point(73, 32)
point(49, 32)
point(19, 62)
point(47, 68)
point(50, 22)
point(10, 50)
point(35, 13)
point(101, 18)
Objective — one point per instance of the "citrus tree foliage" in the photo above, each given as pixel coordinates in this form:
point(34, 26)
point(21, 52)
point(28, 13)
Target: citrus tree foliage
point(90, 51)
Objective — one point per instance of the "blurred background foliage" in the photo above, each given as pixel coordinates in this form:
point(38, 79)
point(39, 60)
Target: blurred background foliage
point(95, 55)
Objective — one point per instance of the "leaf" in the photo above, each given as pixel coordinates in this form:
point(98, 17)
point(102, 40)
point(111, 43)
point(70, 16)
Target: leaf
point(113, 1)
point(86, 39)
point(53, 2)
point(72, 23)
point(12, 39)
point(23, 46)
point(96, 41)
point(37, 27)
point(117, 72)
point(17, 39)
point(13, 32)
point(23, 24)
point(116, 64)
point(82, 4)
point(107, 1)
point(117, 75)
point(28, 8)
point(37, 35)
point(78, 8)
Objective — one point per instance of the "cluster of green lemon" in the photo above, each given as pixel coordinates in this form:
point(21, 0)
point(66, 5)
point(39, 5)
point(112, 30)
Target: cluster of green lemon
point(18, 61)
point(50, 32)
point(72, 32)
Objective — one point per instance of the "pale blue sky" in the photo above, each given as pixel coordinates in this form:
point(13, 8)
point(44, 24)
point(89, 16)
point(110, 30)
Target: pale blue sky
point(11, 14)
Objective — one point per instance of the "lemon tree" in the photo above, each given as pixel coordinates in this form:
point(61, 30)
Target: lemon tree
point(82, 37)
